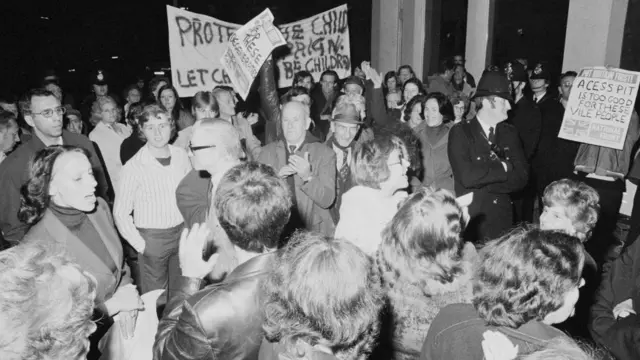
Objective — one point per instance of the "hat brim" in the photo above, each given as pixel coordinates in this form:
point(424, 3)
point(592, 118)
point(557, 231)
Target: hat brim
point(100, 83)
point(481, 93)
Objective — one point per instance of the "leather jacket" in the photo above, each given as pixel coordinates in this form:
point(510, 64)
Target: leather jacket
point(221, 321)
point(270, 102)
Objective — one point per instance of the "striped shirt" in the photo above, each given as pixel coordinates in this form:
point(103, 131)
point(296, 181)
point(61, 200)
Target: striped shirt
point(148, 190)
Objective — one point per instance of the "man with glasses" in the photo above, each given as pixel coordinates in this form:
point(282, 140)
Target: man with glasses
point(215, 147)
point(488, 160)
point(43, 112)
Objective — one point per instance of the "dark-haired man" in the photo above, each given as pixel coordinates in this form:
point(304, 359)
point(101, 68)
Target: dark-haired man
point(43, 112)
point(441, 82)
point(224, 321)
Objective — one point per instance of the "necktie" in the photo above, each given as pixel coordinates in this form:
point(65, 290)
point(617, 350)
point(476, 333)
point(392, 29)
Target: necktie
point(492, 136)
point(345, 154)
point(292, 149)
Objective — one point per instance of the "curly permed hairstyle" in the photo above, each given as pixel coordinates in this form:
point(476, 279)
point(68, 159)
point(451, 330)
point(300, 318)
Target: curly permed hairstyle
point(47, 303)
point(323, 291)
point(525, 274)
point(253, 205)
point(96, 109)
point(34, 194)
point(423, 241)
point(581, 204)
point(369, 166)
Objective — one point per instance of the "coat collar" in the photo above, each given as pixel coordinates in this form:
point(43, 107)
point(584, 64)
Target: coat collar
point(255, 266)
point(76, 247)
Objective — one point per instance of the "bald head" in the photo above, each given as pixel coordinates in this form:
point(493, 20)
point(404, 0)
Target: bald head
point(220, 133)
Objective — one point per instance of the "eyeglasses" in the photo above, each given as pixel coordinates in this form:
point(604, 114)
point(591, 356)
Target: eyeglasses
point(49, 112)
point(196, 148)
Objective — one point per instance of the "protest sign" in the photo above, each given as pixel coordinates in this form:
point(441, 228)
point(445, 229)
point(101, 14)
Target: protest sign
point(317, 44)
point(600, 106)
point(248, 48)
point(197, 43)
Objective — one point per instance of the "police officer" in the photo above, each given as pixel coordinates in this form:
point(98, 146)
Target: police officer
point(526, 117)
point(554, 158)
point(488, 160)
point(99, 88)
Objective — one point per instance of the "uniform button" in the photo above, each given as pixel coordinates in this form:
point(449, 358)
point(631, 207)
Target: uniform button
point(495, 201)
point(478, 157)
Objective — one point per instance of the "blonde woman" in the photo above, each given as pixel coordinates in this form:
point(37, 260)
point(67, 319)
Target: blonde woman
point(109, 134)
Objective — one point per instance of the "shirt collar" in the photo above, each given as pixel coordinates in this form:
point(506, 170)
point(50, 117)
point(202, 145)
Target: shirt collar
point(147, 158)
point(486, 127)
point(538, 97)
point(296, 145)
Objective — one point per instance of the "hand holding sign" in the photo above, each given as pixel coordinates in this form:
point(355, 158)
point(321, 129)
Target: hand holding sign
point(248, 48)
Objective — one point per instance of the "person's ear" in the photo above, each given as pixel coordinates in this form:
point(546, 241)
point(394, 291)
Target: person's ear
point(308, 123)
point(28, 118)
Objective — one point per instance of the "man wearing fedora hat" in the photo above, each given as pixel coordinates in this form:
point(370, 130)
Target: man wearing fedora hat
point(488, 160)
point(345, 125)
point(526, 117)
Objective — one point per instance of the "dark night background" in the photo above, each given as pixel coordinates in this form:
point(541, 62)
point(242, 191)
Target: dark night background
point(85, 35)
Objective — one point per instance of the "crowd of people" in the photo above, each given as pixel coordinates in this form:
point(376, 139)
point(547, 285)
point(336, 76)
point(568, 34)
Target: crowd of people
point(373, 217)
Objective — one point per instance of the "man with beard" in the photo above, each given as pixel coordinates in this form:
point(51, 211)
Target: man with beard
point(525, 116)
point(345, 124)
point(487, 160)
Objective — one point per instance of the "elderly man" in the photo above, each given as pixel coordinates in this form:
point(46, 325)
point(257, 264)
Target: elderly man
point(309, 168)
point(215, 147)
point(224, 321)
point(43, 112)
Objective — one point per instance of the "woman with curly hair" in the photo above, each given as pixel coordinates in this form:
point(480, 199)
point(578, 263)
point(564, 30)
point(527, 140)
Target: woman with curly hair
point(108, 133)
point(379, 175)
point(526, 281)
point(47, 302)
point(60, 204)
point(424, 265)
point(323, 301)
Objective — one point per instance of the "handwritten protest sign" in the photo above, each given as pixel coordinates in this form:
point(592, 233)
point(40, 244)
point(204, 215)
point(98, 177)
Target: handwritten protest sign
point(317, 44)
point(600, 106)
point(248, 48)
point(197, 43)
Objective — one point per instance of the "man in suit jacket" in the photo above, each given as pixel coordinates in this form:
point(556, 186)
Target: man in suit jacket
point(309, 167)
point(42, 111)
point(487, 159)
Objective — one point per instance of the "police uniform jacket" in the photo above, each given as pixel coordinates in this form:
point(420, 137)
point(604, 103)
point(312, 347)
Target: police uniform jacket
point(477, 169)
